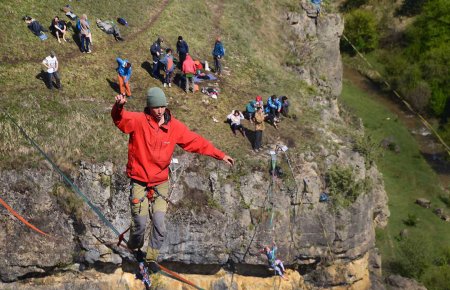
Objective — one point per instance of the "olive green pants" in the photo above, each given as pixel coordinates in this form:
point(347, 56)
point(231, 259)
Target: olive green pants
point(139, 215)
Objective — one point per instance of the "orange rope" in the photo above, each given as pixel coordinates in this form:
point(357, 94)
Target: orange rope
point(14, 213)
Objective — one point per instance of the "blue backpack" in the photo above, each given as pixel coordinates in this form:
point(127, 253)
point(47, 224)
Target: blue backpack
point(78, 25)
point(122, 21)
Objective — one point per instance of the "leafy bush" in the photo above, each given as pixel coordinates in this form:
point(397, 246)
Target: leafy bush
point(410, 7)
point(438, 278)
point(352, 4)
point(415, 258)
point(411, 220)
point(361, 30)
point(343, 187)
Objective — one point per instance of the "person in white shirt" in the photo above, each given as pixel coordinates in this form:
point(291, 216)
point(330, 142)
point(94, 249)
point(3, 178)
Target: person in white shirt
point(235, 122)
point(51, 63)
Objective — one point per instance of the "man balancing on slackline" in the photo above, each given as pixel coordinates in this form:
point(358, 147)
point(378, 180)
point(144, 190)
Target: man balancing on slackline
point(153, 136)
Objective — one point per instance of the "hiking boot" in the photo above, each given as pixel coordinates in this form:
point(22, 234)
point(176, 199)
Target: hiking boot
point(153, 267)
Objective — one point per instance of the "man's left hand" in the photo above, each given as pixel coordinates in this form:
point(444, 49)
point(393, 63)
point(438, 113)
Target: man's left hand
point(228, 160)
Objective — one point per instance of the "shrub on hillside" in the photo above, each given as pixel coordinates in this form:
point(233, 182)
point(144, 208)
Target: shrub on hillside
point(410, 7)
point(361, 30)
point(437, 278)
point(414, 258)
point(352, 4)
point(343, 187)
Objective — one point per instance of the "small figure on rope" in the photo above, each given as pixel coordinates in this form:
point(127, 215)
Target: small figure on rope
point(274, 263)
point(143, 275)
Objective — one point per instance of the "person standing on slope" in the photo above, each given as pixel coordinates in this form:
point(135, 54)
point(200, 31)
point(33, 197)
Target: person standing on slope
point(153, 136)
point(155, 51)
point(218, 53)
point(182, 50)
point(124, 74)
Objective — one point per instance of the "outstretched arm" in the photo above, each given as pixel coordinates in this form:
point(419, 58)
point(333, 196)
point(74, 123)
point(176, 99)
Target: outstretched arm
point(193, 142)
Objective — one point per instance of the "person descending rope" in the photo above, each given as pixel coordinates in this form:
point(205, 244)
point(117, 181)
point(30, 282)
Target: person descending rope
point(153, 136)
point(274, 263)
point(143, 275)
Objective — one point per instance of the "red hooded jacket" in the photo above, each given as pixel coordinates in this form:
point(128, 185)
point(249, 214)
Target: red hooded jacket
point(189, 65)
point(150, 147)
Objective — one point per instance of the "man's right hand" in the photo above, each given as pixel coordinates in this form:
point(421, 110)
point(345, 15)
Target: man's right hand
point(121, 100)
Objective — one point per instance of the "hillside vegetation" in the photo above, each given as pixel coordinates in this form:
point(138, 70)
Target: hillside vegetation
point(410, 39)
point(74, 123)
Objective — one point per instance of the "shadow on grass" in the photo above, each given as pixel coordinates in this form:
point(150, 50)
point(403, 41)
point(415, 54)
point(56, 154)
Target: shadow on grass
point(148, 67)
point(113, 85)
point(43, 77)
point(76, 39)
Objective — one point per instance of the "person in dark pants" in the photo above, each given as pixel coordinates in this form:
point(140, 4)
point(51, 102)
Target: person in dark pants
point(154, 135)
point(85, 34)
point(51, 63)
point(182, 50)
point(259, 128)
point(155, 51)
point(218, 53)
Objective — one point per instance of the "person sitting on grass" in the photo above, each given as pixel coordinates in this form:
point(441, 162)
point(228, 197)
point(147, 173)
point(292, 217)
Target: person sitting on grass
point(59, 28)
point(235, 122)
point(274, 263)
point(284, 106)
point(250, 110)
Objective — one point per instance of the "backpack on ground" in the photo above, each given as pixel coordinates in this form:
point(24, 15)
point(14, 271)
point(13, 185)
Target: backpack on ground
point(122, 21)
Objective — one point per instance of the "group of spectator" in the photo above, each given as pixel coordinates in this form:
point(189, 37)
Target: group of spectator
point(186, 64)
point(258, 113)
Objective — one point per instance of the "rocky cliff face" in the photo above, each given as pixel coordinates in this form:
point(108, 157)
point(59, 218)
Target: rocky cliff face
point(222, 215)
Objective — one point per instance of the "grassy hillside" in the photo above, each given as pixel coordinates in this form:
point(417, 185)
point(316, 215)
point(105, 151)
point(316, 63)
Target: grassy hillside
point(74, 123)
point(424, 254)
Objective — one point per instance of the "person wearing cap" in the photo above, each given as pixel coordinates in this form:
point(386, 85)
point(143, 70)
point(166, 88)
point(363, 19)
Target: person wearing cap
point(182, 50)
point(51, 64)
point(153, 136)
point(124, 74)
point(155, 51)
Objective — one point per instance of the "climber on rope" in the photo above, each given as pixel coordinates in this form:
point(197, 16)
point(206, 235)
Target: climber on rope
point(274, 263)
point(153, 136)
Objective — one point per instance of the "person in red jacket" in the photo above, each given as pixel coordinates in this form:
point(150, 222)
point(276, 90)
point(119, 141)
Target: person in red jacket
point(189, 69)
point(153, 136)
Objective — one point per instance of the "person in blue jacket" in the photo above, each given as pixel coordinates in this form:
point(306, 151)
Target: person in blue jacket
point(273, 109)
point(124, 71)
point(218, 53)
point(155, 51)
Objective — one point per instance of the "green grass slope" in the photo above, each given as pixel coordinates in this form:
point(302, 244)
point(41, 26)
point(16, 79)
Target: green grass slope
point(407, 177)
point(75, 124)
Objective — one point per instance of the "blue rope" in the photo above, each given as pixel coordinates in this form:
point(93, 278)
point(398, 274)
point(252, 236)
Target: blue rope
point(57, 169)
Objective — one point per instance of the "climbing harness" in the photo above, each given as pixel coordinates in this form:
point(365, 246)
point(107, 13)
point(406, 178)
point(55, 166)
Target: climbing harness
point(19, 217)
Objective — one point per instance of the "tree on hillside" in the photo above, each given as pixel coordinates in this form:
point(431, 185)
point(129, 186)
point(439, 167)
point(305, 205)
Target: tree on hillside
point(410, 7)
point(428, 40)
point(361, 30)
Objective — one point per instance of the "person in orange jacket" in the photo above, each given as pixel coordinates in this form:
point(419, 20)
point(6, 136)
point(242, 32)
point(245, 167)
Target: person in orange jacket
point(189, 70)
point(153, 136)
